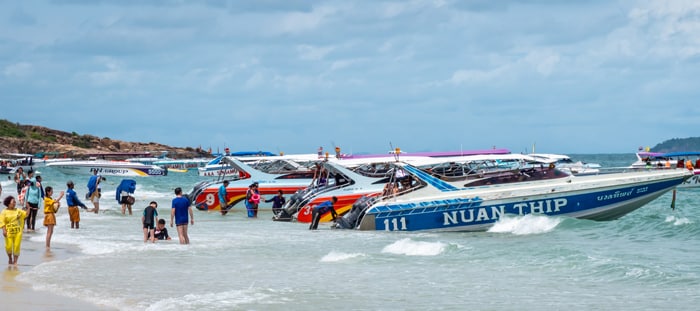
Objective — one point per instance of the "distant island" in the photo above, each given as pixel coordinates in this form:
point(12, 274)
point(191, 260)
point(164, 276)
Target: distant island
point(678, 145)
point(45, 142)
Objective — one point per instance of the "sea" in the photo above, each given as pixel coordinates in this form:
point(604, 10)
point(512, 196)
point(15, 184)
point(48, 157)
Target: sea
point(646, 260)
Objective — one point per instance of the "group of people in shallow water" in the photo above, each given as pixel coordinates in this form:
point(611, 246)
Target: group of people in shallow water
point(20, 213)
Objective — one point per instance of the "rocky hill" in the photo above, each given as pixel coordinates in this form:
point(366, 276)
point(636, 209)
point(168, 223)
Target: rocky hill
point(678, 145)
point(32, 139)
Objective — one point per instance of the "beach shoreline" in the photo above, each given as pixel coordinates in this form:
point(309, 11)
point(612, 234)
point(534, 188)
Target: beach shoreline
point(17, 294)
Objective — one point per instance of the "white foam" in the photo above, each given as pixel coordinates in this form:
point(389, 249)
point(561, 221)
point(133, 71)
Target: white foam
point(678, 221)
point(415, 248)
point(338, 256)
point(527, 224)
point(227, 300)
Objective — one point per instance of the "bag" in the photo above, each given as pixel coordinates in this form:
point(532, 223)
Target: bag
point(127, 199)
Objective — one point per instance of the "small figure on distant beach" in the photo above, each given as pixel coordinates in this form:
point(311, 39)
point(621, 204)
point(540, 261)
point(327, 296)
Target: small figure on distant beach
point(161, 232)
point(223, 202)
point(51, 206)
point(326, 206)
point(12, 224)
point(180, 210)
point(277, 202)
point(149, 219)
point(73, 202)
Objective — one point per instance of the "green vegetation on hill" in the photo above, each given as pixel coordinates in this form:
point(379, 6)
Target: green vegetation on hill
point(678, 145)
point(9, 129)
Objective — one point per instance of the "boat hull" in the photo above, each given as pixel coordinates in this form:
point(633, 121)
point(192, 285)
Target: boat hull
point(474, 214)
point(109, 170)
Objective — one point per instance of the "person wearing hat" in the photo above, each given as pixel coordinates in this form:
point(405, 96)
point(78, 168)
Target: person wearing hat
point(73, 202)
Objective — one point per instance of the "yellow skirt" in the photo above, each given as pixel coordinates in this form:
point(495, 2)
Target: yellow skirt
point(49, 219)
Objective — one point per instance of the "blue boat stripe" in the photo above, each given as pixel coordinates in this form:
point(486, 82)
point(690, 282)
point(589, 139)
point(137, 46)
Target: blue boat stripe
point(433, 181)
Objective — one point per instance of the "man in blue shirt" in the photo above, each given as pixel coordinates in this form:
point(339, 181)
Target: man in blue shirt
point(73, 202)
point(179, 212)
point(321, 209)
point(223, 202)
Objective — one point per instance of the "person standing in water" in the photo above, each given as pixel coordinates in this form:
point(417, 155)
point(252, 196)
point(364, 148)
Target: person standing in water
point(50, 208)
point(149, 219)
point(12, 224)
point(223, 202)
point(73, 202)
point(180, 210)
point(95, 191)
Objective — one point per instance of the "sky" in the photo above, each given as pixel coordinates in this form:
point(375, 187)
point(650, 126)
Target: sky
point(289, 76)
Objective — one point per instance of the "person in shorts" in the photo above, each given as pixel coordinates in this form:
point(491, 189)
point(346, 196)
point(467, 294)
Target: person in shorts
point(149, 219)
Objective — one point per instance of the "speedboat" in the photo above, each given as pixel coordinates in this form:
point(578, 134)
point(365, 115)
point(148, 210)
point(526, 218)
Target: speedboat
point(106, 167)
point(660, 160)
point(434, 204)
point(350, 180)
point(285, 175)
point(9, 162)
point(565, 163)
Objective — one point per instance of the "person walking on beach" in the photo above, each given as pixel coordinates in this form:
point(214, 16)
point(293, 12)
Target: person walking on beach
point(50, 208)
point(149, 219)
point(180, 210)
point(73, 202)
point(223, 202)
point(94, 191)
point(319, 210)
point(33, 199)
point(12, 224)
point(277, 202)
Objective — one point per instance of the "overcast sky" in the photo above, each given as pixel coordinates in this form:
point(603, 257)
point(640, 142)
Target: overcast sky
point(567, 76)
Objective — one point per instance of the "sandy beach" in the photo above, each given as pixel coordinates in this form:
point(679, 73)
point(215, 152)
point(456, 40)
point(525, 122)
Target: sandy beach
point(19, 295)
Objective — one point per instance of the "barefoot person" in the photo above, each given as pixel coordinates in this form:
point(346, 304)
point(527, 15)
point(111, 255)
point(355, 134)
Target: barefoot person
point(95, 191)
point(50, 208)
point(73, 202)
point(149, 219)
point(12, 224)
point(180, 210)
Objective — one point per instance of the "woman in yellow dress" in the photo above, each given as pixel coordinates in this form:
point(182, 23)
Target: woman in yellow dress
point(50, 208)
point(12, 224)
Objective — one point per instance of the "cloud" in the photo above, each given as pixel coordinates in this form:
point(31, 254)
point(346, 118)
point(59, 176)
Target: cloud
point(19, 70)
point(308, 52)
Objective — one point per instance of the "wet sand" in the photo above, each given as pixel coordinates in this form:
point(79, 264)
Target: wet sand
point(17, 295)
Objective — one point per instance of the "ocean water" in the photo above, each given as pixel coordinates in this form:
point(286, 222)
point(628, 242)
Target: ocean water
point(647, 260)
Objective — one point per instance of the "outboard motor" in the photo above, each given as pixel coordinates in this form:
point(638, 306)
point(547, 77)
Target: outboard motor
point(196, 190)
point(352, 218)
point(290, 208)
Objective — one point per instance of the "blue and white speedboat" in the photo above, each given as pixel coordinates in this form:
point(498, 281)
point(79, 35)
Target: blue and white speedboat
point(431, 203)
point(105, 167)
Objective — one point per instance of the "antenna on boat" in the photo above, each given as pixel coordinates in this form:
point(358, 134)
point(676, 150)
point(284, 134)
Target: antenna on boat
point(396, 151)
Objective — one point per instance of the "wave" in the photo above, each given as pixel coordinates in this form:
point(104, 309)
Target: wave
point(415, 248)
point(339, 256)
point(527, 224)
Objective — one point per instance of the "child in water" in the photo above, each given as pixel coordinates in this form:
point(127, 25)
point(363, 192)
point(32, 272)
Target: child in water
point(161, 232)
point(149, 219)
